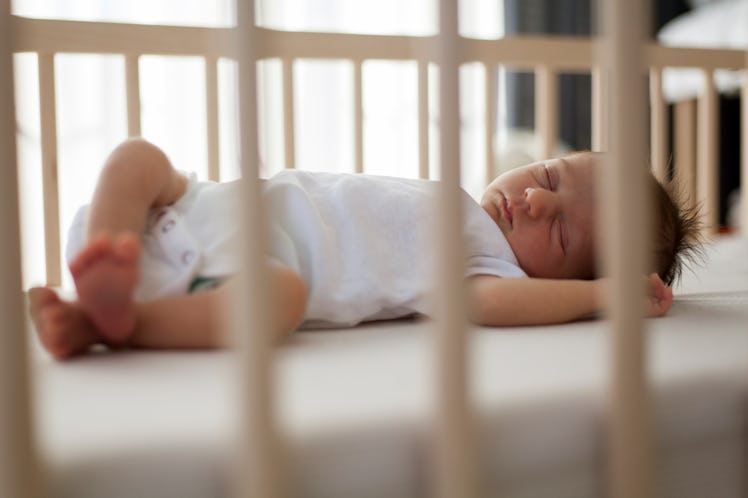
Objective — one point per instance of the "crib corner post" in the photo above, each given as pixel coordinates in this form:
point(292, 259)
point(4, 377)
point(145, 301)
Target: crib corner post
point(18, 462)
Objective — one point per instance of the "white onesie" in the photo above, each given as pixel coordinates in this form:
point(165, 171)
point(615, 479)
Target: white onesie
point(361, 243)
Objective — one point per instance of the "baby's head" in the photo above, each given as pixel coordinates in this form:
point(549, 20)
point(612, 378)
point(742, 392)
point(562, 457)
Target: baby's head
point(546, 210)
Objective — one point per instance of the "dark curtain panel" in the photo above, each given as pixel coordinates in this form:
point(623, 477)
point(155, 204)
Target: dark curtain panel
point(567, 17)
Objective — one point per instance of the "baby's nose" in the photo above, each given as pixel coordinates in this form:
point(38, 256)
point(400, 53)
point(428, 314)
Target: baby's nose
point(541, 202)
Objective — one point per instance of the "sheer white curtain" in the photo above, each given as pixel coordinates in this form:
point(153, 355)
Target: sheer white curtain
point(91, 98)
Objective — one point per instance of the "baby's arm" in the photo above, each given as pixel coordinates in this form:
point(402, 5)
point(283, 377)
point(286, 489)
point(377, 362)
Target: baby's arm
point(533, 301)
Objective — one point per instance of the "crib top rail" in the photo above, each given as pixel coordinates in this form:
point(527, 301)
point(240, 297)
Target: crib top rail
point(558, 52)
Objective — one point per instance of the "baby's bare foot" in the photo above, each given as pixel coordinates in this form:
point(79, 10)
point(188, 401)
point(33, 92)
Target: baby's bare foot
point(105, 274)
point(63, 328)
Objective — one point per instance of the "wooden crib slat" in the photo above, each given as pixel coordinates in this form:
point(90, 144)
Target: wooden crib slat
point(50, 183)
point(455, 450)
point(18, 463)
point(358, 117)
point(289, 114)
point(423, 119)
point(259, 468)
point(211, 118)
point(658, 124)
point(684, 147)
point(707, 173)
point(600, 124)
point(132, 83)
point(546, 110)
point(492, 92)
point(625, 248)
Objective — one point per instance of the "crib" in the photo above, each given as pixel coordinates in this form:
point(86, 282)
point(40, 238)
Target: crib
point(621, 406)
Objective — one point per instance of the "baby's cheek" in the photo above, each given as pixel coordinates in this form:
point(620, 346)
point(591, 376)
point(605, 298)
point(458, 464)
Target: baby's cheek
point(535, 258)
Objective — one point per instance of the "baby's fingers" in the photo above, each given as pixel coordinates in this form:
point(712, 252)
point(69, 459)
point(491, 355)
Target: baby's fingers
point(660, 296)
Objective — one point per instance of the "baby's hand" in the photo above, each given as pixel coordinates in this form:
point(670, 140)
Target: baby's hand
point(660, 296)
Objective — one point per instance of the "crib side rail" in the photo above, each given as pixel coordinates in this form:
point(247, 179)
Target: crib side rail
point(560, 52)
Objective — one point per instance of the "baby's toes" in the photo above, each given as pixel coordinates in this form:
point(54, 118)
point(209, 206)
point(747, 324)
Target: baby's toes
point(41, 297)
point(53, 325)
point(97, 248)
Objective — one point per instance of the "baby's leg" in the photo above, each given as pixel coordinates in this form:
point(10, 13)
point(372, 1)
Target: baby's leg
point(63, 328)
point(196, 320)
point(105, 274)
point(189, 321)
point(137, 176)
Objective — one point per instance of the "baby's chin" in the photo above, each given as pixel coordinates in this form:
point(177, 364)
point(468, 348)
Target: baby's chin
point(537, 267)
point(521, 261)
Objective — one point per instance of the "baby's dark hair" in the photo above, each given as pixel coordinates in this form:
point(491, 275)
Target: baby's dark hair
point(677, 231)
point(677, 228)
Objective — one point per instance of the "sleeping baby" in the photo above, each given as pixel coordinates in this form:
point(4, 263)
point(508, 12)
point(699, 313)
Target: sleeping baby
point(152, 255)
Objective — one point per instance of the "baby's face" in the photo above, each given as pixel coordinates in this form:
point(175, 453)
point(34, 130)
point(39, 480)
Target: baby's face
point(546, 212)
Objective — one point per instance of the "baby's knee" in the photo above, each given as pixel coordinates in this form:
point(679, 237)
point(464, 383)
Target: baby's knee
point(134, 158)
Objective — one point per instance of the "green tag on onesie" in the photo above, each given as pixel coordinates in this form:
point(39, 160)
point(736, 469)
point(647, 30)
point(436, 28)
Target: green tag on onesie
point(200, 284)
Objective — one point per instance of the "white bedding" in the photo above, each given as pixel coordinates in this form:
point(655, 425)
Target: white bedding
point(722, 24)
point(354, 407)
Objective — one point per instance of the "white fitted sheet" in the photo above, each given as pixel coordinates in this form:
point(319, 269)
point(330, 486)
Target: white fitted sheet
point(354, 407)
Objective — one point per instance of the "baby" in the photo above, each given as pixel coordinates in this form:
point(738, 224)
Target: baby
point(152, 255)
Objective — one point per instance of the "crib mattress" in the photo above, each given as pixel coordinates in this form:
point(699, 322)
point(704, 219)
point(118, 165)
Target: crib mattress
point(354, 407)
